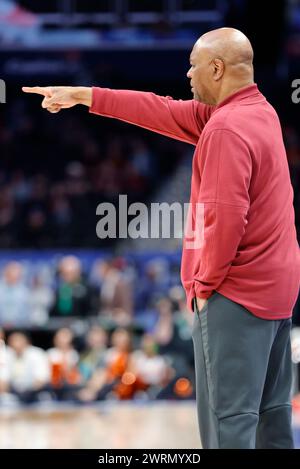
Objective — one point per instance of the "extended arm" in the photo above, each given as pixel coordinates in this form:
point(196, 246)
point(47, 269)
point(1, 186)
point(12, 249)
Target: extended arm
point(182, 120)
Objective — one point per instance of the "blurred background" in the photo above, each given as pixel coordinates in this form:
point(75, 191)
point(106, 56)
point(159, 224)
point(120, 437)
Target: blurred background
point(98, 338)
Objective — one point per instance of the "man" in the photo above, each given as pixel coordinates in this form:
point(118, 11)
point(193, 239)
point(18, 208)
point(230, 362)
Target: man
point(28, 370)
point(14, 297)
point(244, 277)
point(73, 295)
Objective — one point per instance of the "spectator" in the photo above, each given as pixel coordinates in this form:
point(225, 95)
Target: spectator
point(153, 284)
point(109, 380)
point(41, 300)
point(173, 335)
point(28, 369)
point(63, 359)
point(61, 215)
point(14, 297)
point(116, 294)
point(74, 296)
point(151, 370)
point(93, 356)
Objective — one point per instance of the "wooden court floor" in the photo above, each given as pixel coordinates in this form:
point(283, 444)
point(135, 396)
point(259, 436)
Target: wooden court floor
point(115, 426)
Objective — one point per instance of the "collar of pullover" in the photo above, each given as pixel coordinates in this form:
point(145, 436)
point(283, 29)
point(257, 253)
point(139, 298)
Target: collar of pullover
point(249, 91)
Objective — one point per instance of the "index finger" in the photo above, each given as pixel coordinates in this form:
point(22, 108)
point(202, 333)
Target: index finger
point(42, 90)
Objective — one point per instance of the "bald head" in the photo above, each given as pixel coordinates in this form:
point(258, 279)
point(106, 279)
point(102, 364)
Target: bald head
point(221, 63)
point(228, 44)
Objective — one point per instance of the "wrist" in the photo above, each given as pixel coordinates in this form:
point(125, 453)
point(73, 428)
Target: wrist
point(83, 95)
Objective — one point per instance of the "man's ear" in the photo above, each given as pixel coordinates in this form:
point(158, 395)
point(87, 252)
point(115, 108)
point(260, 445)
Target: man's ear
point(218, 69)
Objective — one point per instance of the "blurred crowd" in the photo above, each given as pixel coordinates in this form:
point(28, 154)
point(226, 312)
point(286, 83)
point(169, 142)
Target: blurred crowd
point(114, 290)
point(104, 366)
point(55, 171)
point(117, 332)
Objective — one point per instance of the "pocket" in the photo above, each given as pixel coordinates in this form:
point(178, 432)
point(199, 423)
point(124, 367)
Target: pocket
point(196, 317)
point(195, 324)
point(196, 309)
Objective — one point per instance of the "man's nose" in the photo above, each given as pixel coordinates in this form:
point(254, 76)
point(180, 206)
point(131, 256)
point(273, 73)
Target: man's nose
point(189, 73)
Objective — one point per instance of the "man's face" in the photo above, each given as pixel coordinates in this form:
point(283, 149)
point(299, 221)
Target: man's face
point(201, 75)
point(18, 342)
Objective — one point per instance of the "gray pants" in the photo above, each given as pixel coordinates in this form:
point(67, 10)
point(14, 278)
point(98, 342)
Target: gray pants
point(243, 377)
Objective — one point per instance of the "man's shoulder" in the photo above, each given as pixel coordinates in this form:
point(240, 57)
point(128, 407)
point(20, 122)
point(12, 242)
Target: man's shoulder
point(243, 120)
point(220, 124)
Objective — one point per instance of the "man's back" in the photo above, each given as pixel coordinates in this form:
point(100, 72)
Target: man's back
point(267, 262)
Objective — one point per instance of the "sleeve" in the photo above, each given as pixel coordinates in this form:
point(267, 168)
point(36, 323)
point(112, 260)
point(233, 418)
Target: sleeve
point(226, 168)
point(181, 120)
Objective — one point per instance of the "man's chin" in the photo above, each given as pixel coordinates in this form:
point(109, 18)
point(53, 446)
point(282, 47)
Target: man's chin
point(200, 99)
point(196, 96)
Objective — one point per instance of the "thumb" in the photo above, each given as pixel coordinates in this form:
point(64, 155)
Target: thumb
point(46, 102)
